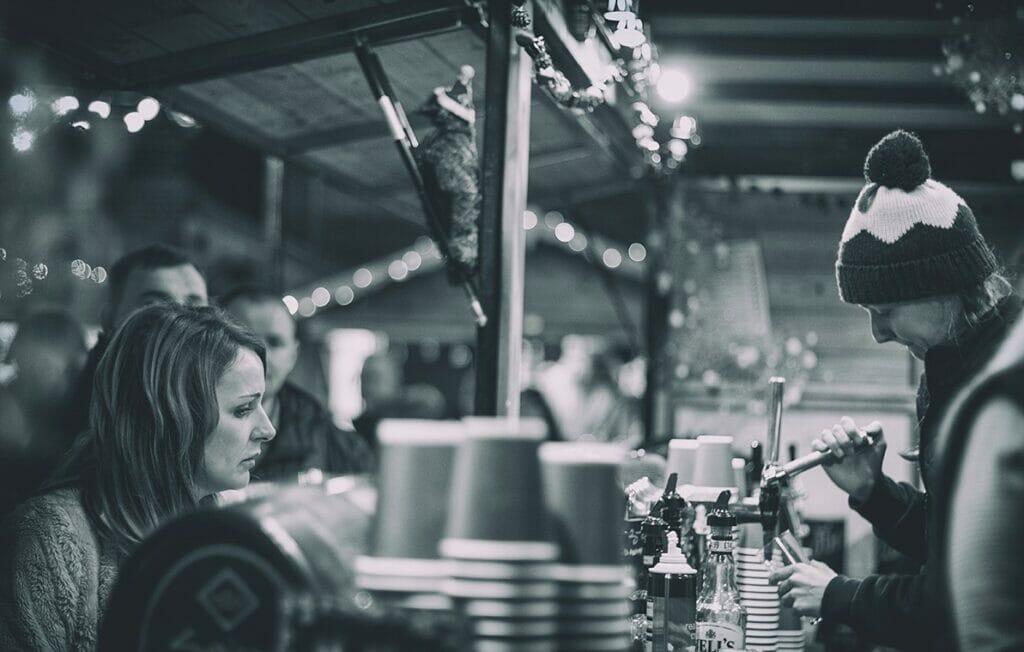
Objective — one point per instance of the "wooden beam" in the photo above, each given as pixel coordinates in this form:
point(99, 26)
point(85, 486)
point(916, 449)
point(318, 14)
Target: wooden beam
point(273, 220)
point(872, 71)
point(297, 43)
point(502, 239)
point(676, 25)
point(813, 114)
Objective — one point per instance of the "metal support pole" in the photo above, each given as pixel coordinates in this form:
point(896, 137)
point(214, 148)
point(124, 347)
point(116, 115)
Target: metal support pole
point(665, 215)
point(273, 221)
point(502, 239)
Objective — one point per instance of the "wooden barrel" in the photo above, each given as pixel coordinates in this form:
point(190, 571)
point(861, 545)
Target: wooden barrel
point(234, 577)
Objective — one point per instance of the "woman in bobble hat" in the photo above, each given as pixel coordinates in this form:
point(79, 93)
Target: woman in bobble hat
point(911, 255)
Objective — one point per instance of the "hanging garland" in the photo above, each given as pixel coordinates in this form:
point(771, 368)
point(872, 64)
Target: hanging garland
point(984, 55)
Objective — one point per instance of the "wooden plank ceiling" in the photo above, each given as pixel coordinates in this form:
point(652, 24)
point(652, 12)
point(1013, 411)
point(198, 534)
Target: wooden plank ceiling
point(789, 96)
point(783, 89)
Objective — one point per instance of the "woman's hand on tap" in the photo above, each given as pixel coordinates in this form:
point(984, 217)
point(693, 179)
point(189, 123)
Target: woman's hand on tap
point(802, 586)
point(857, 462)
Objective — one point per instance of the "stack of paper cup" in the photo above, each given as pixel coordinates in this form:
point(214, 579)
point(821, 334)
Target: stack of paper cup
point(584, 504)
point(758, 597)
point(791, 632)
point(500, 551)
point(712, 470)
point(403, 566)
point(682, 458)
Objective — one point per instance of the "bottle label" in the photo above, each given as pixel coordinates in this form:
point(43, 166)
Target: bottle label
point(713, 637)
point(716, 545)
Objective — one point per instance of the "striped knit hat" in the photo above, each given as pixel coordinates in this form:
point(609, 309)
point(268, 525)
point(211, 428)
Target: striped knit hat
point(908, 237)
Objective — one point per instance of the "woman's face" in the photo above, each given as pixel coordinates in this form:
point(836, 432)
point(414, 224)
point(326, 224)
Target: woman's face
point(243, 427)
point(917, 325)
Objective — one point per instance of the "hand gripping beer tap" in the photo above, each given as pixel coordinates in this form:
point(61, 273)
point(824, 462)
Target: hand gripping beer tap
point(775, 476)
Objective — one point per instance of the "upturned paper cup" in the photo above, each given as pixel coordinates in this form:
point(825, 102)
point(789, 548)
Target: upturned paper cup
point(713, 462)
point(584, 500)
point(416, 458)
point(682, 459)
point(496, 505)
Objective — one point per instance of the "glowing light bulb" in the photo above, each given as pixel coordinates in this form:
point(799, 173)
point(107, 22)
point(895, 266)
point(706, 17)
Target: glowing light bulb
point(529, 220)
point(321, 297)
point(148, 108)
point(22, 103)
point(362, 277)
point(23, 139)
point(291, 303)
point(63, 105)
point(612, 258)
point(564, 232)
point(344, 295)
point(637, 252)
point(673, 85)
point(134, 122)
point(398, 270)
point(100, 108)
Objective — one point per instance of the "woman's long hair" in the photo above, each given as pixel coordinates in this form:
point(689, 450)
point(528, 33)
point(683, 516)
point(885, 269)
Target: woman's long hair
point(153, 407)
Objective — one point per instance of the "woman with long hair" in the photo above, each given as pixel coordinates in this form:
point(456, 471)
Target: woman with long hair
point(175, 417)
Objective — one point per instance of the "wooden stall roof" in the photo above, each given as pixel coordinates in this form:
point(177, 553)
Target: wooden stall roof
point(282, 78)
point(788, 95)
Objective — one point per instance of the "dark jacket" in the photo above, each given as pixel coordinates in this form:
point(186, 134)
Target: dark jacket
point(308, 439)
point(909, 611)
point(981, 546)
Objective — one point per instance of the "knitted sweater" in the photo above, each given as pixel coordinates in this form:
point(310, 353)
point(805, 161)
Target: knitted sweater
point(55, 577)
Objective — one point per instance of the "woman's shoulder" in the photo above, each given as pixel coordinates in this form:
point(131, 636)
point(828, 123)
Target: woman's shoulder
point(58, 513)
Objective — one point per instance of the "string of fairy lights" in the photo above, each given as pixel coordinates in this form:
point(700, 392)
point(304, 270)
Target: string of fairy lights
point(27, 274)
point(36, 111)
point(424, 257)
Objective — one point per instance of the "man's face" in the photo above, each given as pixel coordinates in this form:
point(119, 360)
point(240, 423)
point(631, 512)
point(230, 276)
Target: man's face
point(271, 322)
point(183, 284)
point(917, 325)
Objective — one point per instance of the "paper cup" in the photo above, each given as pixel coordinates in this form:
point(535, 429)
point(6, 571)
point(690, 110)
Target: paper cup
point(584, 500)
point(496, 488)
point(414, 483)
point(713, 462)
point(682, 459)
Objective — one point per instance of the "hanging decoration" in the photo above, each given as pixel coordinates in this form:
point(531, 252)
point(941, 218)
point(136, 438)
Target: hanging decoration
point(450, 164)
point(629, 29)
point(554, 81)
point(984, 55)
point(636, 69)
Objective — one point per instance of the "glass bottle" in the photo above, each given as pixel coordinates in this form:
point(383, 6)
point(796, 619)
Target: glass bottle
point(721, 619)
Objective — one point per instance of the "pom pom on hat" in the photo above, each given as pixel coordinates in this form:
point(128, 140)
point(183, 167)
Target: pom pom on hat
point(898, 161)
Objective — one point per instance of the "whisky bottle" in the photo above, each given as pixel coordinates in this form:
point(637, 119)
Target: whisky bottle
point(721, 619)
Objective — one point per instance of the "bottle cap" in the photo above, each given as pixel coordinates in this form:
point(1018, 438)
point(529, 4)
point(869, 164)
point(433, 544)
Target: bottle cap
point(673, 561)
point(720, 516)
point(652, 534)
point(673, 506)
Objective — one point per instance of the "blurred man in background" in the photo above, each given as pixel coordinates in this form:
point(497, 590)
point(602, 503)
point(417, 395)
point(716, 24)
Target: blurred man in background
point(306, 435)
point(47, 355)
point(148, 275)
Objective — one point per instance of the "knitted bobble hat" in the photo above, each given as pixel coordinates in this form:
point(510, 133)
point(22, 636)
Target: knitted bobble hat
point(908, 237)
